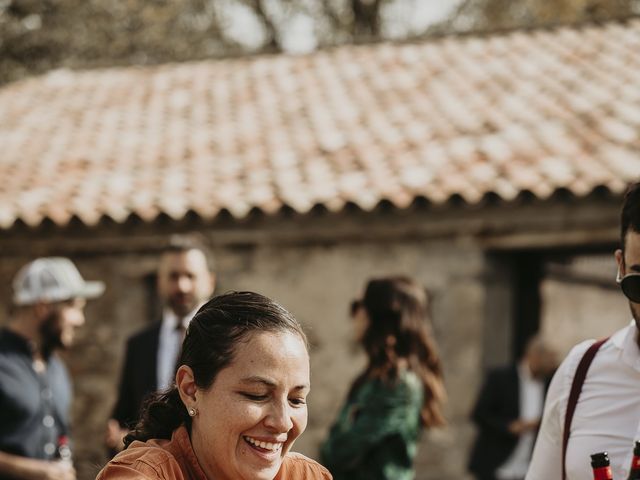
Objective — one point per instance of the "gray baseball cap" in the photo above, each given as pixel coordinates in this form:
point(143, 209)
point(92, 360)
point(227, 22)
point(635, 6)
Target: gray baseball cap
point(52, 279)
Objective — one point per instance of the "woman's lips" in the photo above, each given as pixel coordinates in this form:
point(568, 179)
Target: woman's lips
point(262, 446)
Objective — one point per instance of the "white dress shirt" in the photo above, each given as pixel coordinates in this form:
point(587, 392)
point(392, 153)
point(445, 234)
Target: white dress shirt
point(169, 346)
point(607, 415)
point(530, 408)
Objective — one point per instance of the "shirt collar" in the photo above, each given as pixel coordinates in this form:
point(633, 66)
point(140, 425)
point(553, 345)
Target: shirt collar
point(170, 319)
point(625, 341)
point(523, 371)
point(18, 341)
point(181, 438)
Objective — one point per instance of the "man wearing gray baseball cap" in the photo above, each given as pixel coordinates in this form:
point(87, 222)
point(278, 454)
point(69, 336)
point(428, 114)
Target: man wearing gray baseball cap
point(49, 296)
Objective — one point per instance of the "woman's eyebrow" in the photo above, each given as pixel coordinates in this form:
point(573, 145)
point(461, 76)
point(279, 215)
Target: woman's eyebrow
point(270, 383)
point(258, 379)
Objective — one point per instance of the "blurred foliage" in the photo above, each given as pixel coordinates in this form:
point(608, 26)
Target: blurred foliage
point(38, 35)
point(493, 15)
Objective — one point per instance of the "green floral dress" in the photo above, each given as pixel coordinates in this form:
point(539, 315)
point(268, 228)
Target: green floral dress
point(375, 435)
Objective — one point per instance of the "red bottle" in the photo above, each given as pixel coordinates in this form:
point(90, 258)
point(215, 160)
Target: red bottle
point(634, 470)
point(64, 450)
point(601, 466)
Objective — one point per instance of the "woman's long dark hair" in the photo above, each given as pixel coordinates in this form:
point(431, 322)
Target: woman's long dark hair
point(209, 346)
point(397, 334)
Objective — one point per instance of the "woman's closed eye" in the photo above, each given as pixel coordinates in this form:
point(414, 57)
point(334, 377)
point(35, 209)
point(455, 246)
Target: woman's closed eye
point(255, 397)
point(298, 401)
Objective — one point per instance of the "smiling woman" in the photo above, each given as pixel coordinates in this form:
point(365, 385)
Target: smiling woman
point(238, 404)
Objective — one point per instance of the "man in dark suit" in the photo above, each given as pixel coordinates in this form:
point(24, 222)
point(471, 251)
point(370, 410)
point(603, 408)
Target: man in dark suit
point(507, 414)
point(184, 282)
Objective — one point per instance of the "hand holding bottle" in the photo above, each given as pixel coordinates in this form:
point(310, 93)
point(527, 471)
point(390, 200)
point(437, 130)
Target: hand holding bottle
point(59, 470)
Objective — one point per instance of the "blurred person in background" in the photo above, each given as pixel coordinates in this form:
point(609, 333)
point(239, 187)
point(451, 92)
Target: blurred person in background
point(399, 393)
point(606, 406)
point(184, 283)
point(508, 413)
point(238, 403)
point(35, 389)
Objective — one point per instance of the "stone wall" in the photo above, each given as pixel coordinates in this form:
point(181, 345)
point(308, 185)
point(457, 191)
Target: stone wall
point(582, 302)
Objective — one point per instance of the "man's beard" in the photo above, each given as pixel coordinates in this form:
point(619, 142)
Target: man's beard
point(182, 304)
point(51, 333)
point(635, 313)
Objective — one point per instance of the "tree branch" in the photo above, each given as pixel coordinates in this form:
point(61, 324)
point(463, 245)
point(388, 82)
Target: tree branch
point(258, 7)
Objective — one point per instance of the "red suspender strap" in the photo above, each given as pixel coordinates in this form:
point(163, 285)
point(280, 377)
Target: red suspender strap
point(576, 388)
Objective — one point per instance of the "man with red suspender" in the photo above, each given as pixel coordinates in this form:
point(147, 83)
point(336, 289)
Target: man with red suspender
point(593, 402)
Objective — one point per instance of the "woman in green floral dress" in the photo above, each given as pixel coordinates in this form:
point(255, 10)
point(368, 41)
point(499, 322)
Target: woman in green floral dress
point(399, 393)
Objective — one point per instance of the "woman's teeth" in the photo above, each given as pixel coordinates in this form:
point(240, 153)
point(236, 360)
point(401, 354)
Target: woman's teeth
point(274, 447)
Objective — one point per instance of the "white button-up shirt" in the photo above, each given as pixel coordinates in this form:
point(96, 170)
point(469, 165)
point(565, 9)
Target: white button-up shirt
point(607, 415)
point(169, 346)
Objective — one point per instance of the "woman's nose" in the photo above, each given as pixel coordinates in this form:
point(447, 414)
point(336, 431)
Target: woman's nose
point(279, 417)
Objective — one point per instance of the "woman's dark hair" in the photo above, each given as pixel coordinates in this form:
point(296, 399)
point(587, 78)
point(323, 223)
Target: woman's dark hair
point(397, 334)
point(214, 333)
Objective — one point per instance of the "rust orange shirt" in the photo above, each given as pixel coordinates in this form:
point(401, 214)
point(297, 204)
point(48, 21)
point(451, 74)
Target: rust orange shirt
point(175, 460)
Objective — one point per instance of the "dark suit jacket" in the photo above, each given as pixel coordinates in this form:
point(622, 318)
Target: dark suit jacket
point(498, 404)
point(139, 375)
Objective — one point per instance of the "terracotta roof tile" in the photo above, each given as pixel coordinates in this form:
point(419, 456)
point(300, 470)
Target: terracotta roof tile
point(529, 111)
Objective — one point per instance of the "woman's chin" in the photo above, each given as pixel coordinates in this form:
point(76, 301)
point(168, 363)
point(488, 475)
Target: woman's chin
point(258, 463)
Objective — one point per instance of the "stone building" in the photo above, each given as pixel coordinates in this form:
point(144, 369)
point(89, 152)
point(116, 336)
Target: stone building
point(491, 168)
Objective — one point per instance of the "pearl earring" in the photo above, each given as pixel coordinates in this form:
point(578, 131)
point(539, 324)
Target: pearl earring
point(192, 412)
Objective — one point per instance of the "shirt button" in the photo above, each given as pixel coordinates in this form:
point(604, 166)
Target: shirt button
point(49, 448)
point(48, 421)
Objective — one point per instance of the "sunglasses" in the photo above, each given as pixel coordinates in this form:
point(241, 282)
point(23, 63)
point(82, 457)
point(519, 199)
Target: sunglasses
point(630, 285)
